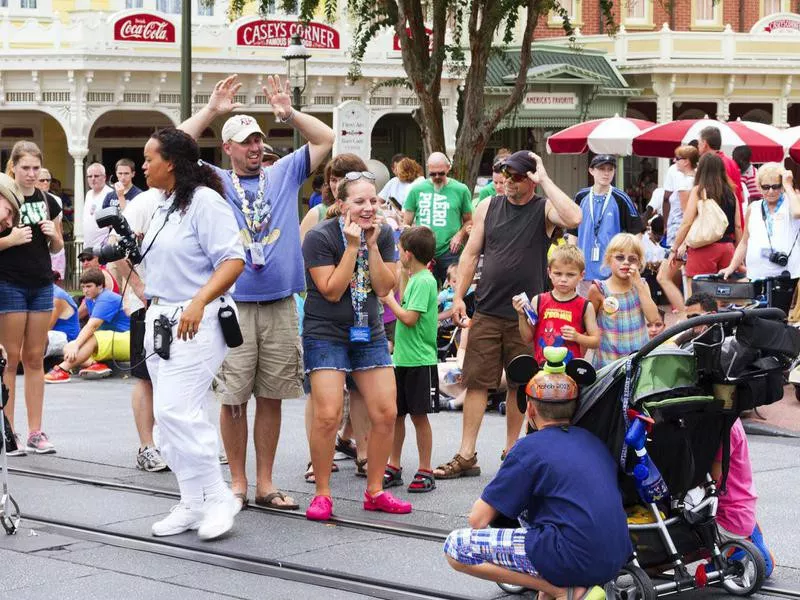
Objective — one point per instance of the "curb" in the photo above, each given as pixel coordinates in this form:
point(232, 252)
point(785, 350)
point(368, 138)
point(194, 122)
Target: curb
point(764, 428)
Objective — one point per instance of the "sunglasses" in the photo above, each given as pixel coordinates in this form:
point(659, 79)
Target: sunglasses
point(515, 177)
point(437, 173)
point(631, 260)
point(356, 175)
point(774, 186)
point(94, 176)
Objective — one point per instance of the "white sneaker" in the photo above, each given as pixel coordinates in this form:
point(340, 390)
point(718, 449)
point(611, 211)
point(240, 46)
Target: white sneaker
point(218, 516)
point(181, 518)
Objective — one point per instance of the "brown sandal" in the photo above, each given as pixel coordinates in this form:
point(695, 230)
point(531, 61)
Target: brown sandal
point(361, 467)
point(309, 474)
point(458, 467)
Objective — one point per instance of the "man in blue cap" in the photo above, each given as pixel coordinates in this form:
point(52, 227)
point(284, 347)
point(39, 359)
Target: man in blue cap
point(607, 211)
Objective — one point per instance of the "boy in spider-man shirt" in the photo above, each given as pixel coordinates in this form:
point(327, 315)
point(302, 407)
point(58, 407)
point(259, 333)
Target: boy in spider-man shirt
point(563, 318)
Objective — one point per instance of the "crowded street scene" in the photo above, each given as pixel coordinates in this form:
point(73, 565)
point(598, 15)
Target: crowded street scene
point(424, 299)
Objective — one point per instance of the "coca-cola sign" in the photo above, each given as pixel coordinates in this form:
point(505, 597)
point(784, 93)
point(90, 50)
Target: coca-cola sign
point(144, 27)
point(276, 34)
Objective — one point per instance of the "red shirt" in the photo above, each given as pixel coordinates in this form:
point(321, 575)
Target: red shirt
point(553, 315)
point(736, 177)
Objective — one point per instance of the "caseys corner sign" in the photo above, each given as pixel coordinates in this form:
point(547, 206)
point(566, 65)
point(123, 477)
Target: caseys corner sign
point(276, 34)
point(144, 27)
point(781, 23)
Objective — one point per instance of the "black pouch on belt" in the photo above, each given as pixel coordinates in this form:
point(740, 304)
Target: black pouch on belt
point(230, 326)
point(162, 336)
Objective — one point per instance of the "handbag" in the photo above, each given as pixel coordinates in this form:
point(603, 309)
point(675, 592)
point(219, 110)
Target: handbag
point(709, 225)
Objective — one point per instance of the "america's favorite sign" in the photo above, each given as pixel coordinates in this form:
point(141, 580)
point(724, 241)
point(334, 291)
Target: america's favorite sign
point(144, 27)
point(276, 34)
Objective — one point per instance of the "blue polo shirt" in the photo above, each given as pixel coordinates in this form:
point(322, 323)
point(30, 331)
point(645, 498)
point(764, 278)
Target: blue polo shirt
point(283, 273)
point(600, 224)
point(108, 307)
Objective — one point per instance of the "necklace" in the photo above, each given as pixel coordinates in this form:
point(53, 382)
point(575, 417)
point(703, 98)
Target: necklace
point(360, 285)
point(256, 217)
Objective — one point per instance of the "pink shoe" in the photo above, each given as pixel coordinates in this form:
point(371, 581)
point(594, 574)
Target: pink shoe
point(320, 509)
point(387, 503)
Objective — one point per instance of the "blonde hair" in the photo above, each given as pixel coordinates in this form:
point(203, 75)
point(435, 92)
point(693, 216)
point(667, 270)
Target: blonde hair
point(624, 242)
point(568, 254)
point(768, 170)
point(20, 149)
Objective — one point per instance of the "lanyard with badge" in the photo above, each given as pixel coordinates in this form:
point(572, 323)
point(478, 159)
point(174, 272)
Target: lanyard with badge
point(359, 290)
point(256, 217)
point(769, 225)
point(596, 224)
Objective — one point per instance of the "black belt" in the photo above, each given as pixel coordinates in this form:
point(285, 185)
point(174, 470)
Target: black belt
point(265, 302)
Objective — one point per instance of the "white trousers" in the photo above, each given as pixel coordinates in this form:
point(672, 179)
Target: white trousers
point(188, 441)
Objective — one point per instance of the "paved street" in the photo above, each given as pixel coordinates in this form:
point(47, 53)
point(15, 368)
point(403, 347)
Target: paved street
point(91, 425)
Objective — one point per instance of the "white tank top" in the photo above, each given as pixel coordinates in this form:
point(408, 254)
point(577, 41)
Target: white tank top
point(784, 233)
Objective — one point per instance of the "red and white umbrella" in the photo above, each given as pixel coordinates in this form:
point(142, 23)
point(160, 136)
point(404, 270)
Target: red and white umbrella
point(601, 136)
point(662, 140)
point(794, 151)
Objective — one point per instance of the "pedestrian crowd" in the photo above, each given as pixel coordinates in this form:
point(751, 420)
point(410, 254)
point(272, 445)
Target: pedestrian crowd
point(386, 274)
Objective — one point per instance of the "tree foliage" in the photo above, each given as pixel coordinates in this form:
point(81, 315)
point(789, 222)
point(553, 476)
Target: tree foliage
point(481, 27)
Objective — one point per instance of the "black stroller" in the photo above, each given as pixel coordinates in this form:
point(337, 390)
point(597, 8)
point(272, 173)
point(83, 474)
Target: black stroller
point(693, 395)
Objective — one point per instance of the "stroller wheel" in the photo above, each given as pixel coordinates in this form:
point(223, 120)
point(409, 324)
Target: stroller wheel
point(502, 407)
point(746, 568)
point(631, 583)
point(512, 589)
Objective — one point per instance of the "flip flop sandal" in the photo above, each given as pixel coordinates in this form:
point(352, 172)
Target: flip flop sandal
point(392, 477)
point(361, 467)
point(309, 474)
point(423, 482)
point(269, 501)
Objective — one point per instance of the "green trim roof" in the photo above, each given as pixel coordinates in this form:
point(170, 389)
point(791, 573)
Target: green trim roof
point(558, 61)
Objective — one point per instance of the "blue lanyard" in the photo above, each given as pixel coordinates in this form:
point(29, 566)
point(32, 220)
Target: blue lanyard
point(360, 285)
point(768, 217)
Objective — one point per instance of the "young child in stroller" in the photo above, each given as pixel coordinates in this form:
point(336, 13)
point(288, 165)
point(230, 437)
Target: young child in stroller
point(562, 484)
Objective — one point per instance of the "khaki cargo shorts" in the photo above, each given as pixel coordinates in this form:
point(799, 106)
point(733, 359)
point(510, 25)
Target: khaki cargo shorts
point(493, 343)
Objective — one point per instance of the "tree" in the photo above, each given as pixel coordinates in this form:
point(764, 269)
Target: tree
point(425, 59)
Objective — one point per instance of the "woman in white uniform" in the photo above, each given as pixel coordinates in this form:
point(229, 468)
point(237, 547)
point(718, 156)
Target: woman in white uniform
point(192, 255)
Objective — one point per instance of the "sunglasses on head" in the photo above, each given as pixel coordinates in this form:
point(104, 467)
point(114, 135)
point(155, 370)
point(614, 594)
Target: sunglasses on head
point(356, 175)
point(631, 260)
point(437, 173)
point(515, 177)
point(774, 186)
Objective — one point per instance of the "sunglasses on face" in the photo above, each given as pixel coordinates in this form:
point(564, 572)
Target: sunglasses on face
point(631, 260)
point(356, 175)
point(438, 173)
point(515, 177)
point(774, 186)
point(45, 180)
point(92, 176)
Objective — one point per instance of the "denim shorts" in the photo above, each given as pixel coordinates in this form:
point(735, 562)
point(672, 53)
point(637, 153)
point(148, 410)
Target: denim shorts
point(321, 354)
point(18, 298)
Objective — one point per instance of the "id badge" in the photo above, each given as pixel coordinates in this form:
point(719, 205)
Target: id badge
point(595, 253)
point(257, 254)
point(360, 331)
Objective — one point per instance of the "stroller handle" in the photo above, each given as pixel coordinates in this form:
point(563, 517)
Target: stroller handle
point(772, 314)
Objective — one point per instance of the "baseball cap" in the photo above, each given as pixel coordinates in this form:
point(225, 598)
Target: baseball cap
point(521, 161)
point(604, 159)
point(269, 151)
point(86, 255)
point(239, 127)
point(10, 191)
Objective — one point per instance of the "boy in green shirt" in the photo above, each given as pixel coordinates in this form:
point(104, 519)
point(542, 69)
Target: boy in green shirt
point(415, 357)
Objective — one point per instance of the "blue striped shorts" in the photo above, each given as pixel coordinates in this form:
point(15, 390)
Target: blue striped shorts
point(503, 547)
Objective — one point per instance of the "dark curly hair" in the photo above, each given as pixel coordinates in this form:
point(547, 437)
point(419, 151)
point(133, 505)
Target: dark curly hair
point(182, 151)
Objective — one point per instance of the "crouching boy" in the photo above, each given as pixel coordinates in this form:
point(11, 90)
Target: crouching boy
point(561, 482)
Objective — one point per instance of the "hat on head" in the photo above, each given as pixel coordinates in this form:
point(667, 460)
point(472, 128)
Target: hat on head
point(86, 255)
point(239, 127)
point(603, 159)
point(270, 152)
point(521, 161)
point(10, 191)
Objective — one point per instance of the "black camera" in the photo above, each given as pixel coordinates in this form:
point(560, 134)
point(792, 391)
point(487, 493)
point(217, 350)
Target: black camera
point(779, 258)
point(126, 245)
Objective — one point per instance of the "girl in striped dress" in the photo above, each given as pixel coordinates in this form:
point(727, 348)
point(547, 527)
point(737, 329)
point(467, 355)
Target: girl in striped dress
point(622, 302)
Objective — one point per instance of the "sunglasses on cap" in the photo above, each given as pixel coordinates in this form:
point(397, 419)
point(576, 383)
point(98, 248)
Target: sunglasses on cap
point(356, 175)
point(515, 177)
point(765, 188)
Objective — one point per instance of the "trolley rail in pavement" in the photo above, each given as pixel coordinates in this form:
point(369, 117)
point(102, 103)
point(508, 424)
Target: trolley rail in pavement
point(374, 525)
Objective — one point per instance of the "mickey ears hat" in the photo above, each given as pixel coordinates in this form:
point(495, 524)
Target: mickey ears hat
point(10, 191)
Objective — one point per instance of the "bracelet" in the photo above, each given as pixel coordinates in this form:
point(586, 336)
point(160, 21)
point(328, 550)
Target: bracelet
point(287, 119)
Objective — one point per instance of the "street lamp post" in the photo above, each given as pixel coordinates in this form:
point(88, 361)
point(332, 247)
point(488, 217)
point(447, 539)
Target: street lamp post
point(296, 56)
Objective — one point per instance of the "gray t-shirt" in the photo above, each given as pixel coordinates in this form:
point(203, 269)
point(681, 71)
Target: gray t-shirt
point(324, 246)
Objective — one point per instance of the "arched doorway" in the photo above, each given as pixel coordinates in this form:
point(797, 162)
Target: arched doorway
point(396, 133)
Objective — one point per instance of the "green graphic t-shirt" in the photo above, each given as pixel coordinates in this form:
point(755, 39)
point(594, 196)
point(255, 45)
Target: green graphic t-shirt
point(416, 346)
point(442, 210)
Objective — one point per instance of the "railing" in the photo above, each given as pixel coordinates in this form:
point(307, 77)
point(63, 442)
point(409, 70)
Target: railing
point(73, 272)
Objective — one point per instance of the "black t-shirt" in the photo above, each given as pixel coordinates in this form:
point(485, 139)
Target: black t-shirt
point(324, 246)
point(29, 265)
point(112, 200)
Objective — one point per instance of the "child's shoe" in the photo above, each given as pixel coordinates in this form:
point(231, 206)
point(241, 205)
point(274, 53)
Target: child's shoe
point(392, 476)
point(758, 539)
point(385, 502)
point(320, 509)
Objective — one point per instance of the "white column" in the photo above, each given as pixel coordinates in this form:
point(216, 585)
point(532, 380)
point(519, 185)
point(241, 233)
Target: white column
point(451, 124)
point(78, 156)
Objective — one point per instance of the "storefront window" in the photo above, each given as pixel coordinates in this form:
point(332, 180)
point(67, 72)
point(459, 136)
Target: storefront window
point(169, 6)
point(30, 4)
point(638, 13)
point(770, 7)
point(707, 13)
point(3, 3)
point(272, 8)
point(205, 9)
point(134, 3)
point(573, 10)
